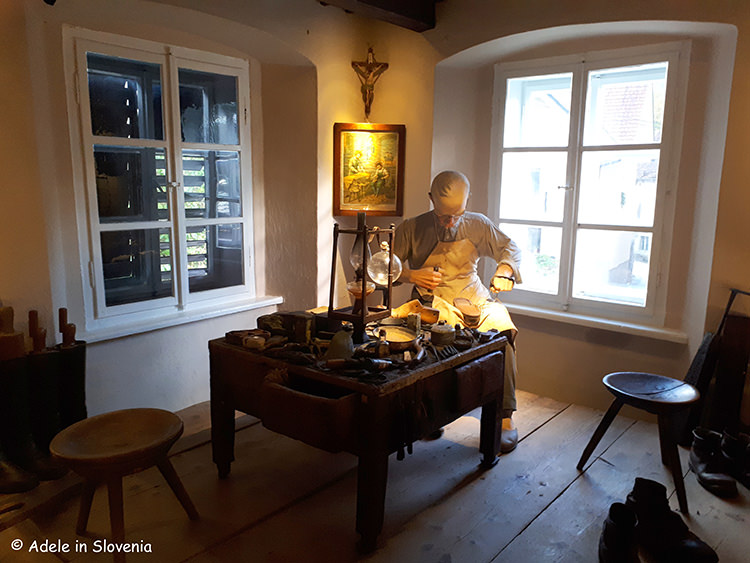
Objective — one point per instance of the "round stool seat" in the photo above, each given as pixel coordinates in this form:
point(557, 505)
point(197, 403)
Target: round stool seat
point(650, 392)
point(119, 442)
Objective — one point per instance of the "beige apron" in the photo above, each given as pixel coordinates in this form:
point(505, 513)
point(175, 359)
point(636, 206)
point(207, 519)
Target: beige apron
point(458, 263)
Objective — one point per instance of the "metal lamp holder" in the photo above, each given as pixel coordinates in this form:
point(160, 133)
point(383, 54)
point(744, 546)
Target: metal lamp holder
point(360, 314)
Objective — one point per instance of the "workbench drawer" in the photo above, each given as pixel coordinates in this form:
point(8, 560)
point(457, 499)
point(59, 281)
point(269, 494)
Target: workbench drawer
point(318, 414)
point(479, 379)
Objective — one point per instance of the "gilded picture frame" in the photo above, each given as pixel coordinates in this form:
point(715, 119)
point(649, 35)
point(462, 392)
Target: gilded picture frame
point(368, 169)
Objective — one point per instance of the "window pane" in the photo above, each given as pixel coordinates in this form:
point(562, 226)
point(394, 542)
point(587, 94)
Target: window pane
point(125, 97)
point(618, 187)
point(625, 105)
point(137, 265)
point(208, 107)
point(214, 256)
point(537, 111)
point(612, 266)
point(541, 255)
point(130, 184)
point(212, 183)
point(529, 186)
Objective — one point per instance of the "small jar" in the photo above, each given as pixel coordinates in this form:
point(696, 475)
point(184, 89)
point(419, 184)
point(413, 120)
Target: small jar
point(442, 334)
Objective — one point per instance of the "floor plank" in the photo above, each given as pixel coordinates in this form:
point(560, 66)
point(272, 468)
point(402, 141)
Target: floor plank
point(479, 521)
point(287, 502)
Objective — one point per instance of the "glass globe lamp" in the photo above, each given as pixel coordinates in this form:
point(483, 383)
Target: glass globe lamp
point(377, 266)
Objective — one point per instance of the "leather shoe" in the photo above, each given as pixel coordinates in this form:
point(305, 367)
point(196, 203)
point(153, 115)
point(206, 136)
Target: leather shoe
point(508, 440)
point(470, 313)
point(436, 435)
point(617, 542)
point(735, 451)
point(709, 466)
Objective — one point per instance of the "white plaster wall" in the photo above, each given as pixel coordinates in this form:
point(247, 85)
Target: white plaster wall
point(575, 358)
point(307, 84)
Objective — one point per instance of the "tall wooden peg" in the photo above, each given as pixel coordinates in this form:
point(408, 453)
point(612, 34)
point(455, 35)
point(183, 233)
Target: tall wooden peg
point(62, 319)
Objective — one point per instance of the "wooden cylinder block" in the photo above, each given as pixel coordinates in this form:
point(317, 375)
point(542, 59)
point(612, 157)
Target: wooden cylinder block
point(12, 345)
point(6, 319)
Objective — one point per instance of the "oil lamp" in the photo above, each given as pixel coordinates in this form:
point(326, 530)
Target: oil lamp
point(380, 269)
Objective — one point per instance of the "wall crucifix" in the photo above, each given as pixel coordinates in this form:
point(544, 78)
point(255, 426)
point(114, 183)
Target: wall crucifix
point(368, 72)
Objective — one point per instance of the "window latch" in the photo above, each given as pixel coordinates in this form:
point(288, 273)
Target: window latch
point(566, 188)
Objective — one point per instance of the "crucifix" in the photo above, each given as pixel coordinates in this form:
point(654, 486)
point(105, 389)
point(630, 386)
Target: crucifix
point(368, 72)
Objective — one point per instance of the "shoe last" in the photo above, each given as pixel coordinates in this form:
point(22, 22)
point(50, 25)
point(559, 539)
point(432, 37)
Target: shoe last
point(617, 542)
point(660, 532)
point(709, 465)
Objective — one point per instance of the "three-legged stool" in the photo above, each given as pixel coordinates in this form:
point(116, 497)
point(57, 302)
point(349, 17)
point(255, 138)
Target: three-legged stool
point(659, 395)
point(106, 447)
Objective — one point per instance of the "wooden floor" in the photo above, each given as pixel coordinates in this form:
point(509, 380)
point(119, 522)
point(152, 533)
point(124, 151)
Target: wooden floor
point(287, 502)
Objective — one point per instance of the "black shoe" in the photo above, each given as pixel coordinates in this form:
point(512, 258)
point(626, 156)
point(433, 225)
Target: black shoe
point(436, 435)
point(735, 450)
point(709, 466)
point(660, 532)
point(13, 479)
point(617, 543)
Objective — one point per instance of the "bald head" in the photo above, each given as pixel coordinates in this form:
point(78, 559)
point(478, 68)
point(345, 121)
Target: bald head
point(449, 193)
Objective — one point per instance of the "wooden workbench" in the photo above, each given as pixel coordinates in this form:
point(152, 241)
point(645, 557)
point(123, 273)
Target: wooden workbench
point(368, 417)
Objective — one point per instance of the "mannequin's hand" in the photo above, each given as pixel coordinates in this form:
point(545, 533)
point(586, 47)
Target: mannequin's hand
point(503, 279)
point(426, 278)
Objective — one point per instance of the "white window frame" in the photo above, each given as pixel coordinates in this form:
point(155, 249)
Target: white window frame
point(564, 305)
point(102, 321)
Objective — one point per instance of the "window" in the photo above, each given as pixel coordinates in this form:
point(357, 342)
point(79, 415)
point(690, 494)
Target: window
point(585, 153)
point(166, 173)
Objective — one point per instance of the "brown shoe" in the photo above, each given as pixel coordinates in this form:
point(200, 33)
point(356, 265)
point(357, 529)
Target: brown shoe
point(470, 312)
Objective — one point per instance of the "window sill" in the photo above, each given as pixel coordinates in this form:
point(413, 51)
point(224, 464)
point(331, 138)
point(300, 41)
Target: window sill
point(110, 329)
point(656, 333)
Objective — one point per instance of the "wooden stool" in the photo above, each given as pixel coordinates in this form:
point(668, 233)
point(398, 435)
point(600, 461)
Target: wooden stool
point(106, 447)
point(659, 395)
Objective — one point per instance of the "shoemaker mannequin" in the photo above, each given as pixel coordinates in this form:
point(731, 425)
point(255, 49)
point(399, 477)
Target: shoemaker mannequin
point(440, 250)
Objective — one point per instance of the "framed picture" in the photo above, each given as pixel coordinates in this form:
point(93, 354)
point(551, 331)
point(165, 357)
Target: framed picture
point(368, 168)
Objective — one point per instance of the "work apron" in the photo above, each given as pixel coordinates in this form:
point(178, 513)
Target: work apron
point(458, 263)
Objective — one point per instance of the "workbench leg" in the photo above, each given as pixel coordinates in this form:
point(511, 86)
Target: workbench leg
point(490, 432)
point(222, 429)
point(372, 477)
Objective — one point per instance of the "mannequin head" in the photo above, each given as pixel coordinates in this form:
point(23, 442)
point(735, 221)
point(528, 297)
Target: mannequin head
point(449, 194)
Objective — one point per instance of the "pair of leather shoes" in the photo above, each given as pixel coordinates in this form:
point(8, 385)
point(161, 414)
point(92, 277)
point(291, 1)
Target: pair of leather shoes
point(660, 532)
point(645, 524)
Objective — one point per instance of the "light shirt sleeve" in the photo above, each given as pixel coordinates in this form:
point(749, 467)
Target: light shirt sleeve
point(493, 243)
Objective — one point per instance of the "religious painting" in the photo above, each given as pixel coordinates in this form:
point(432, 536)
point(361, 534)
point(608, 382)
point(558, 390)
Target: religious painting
point(368, 170)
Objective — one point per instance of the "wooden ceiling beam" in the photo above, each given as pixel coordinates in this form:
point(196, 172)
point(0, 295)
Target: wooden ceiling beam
point(417, 15)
